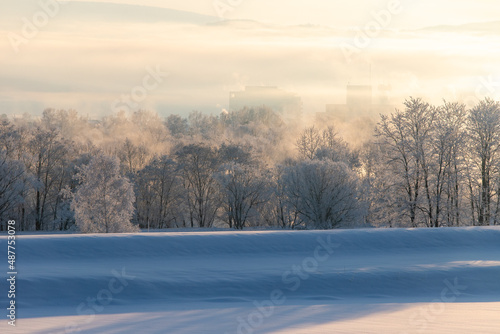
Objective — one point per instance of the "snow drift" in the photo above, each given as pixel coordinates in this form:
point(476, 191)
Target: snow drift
point(66, 269)
point(67, 275)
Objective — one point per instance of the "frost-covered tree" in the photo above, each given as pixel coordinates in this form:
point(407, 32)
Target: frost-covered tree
point(198, 164)
point(243, 188)
point(9, 138)
point(133, 157)
point(104, 201)
point(262, 128)
point(150, 125)
point(278, 210)
point(325, 145)
point(13, 184)
point(160, 194)
point(48, 161)
point(203, 126)
point(177, 125)
point(309, 142)
point(406, 140)
point(426, 164)
point(334, 148)
point(323, 193)
point(377, 191)
point(484, 136)
point(448, 145)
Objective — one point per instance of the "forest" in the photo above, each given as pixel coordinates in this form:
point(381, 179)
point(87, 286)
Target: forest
point(424, 166)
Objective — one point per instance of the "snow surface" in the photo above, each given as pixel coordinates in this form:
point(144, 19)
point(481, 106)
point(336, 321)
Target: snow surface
point(344, 281)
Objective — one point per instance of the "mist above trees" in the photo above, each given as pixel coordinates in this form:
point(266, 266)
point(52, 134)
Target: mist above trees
point(426, 166)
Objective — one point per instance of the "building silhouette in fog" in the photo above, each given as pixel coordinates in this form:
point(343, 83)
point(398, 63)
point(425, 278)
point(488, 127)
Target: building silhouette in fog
point(359, 102)
point(287, 105)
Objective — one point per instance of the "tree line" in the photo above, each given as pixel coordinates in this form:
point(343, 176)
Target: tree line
point(425, 166)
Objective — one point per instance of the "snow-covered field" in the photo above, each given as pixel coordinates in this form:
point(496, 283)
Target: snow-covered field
point(346, 281)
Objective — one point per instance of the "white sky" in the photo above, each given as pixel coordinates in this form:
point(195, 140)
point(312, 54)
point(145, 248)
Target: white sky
point(338, 13)
point(88, 64)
